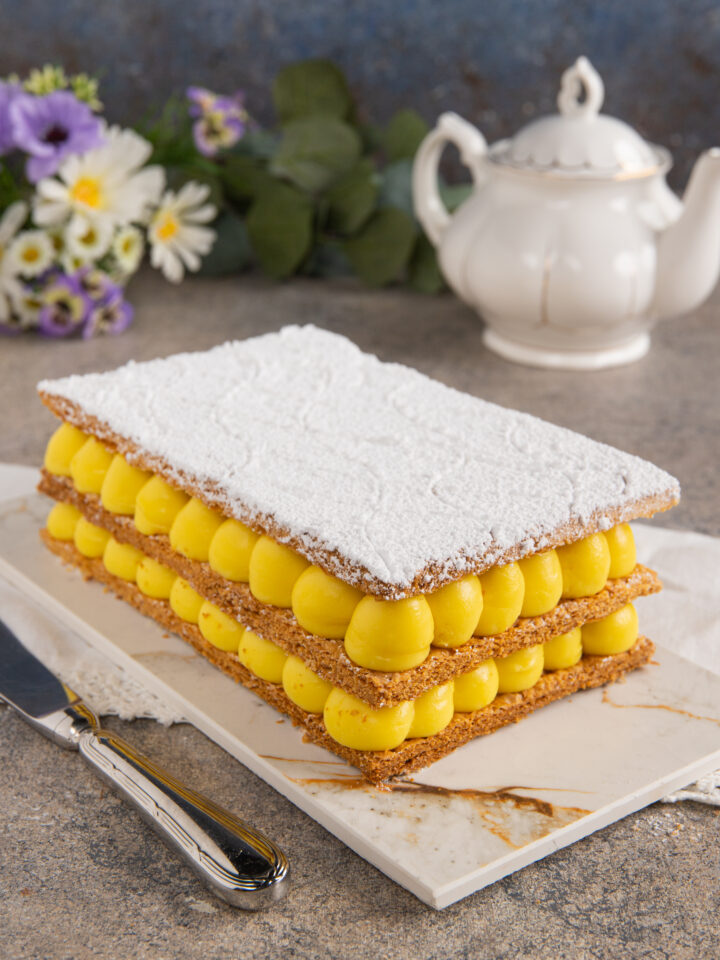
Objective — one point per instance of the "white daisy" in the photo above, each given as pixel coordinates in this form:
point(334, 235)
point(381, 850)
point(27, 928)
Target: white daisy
point(31, 253)
point(57, 239)
point(128, 247)
point(28, 308)
point(88, 238)
point(177, 239)
point(11, 290)
point(105, 184)
point(72, 262)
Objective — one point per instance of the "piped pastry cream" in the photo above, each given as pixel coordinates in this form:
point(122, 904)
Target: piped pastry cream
point(395, 635)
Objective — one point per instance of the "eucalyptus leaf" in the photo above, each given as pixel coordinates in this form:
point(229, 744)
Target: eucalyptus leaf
point(403, 135)
point(315, 151)
point(424, 273)
point(371, 135)
point(231, 251)
point(311, 88)
point(256, 143)
point(328, 259)
point(279, 226)
point(244, 177)
point(396, 187)
point(351, 200)
point(455, 194)
point(382, 249)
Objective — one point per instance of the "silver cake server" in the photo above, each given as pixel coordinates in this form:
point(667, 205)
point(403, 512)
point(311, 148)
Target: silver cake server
point(238, 863)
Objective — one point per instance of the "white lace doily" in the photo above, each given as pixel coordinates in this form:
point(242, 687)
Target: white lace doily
point(104, 687)
point(704, 790)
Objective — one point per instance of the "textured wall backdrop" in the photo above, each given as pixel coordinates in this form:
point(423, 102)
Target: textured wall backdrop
point(497, 63)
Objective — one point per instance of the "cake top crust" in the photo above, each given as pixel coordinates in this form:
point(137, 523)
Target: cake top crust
point(385, 477)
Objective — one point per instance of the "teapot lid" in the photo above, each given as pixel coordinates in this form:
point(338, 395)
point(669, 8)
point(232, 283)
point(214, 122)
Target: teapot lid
point(580, 141)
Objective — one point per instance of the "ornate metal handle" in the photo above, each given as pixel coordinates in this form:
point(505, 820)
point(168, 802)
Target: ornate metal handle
point(238, 863)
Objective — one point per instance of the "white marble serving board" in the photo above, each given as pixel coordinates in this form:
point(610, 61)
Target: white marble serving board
point(489, 809)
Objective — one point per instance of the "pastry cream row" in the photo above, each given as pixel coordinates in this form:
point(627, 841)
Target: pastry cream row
point(348, 720)
point(378, 634)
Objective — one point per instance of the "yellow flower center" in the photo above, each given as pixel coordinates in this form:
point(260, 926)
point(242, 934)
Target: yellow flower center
point(86, 190)
point(89, 238)
point(30, 254)
point(167, 227)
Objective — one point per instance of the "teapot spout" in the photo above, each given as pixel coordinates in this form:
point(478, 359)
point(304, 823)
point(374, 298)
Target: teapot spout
point(688, 250)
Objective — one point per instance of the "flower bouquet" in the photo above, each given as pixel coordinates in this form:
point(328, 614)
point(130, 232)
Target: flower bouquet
point(79, 203)
point(323, 192)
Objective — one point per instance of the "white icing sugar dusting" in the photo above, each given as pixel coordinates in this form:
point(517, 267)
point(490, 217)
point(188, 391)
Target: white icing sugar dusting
point(393, 471)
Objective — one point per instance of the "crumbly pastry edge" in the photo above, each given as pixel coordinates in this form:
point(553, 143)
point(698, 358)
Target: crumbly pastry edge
point(327, 657)
point(411, 755)
point(431, 578)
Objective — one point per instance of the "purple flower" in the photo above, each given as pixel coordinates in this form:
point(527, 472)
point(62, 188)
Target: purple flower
point(65, 307)
point(109, 312)
point(50, 128)
point(97, 285)
point(219, 121)
point(8, 93)
point(113, 315)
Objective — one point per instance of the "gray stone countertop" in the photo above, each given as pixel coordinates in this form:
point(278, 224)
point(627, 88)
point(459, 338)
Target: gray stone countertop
point(82, 877)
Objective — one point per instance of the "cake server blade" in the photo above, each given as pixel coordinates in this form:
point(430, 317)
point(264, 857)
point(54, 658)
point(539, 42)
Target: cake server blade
point(25, 683)
point(240, 864)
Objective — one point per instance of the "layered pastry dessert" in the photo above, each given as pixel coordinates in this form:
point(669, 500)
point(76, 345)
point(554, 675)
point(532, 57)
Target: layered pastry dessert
point(397, 566)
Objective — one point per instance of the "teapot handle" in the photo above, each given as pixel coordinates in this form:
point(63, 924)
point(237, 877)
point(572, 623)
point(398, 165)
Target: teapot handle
point(451, 128)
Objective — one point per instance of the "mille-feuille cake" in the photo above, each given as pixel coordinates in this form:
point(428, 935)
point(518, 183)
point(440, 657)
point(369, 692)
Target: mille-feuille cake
point(397, 566)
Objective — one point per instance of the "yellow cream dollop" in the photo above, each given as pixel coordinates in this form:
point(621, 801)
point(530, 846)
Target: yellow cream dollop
point(390, 634)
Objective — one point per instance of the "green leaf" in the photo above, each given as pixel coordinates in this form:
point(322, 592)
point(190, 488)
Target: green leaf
point(179, 175)
point(315, 151)
point(403, 135)
point(396, 187)
point(328, 259)
point(279, 226)
point(170, 134)
point(9, 188)
point(256, 143)
point(351, 199)
point(231, 251)
point(454, 194)
point(244, 177)
point(424, 271)
point(311, 88)
point(380, 252)
point(371, 135)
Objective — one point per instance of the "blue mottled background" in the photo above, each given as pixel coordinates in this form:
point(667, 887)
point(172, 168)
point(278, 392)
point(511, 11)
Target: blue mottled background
point(496, 63)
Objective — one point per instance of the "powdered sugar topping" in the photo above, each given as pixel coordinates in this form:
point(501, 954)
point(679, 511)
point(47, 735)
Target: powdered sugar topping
point(390, 472)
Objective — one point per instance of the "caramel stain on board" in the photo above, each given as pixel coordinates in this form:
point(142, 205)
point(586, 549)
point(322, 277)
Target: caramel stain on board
point(513, 818)
point(656, 706)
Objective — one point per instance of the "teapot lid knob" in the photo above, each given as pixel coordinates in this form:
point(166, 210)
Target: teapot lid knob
point(581, 78)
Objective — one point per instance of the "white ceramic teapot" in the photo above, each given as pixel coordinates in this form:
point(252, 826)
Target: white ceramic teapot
point(571, 245)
